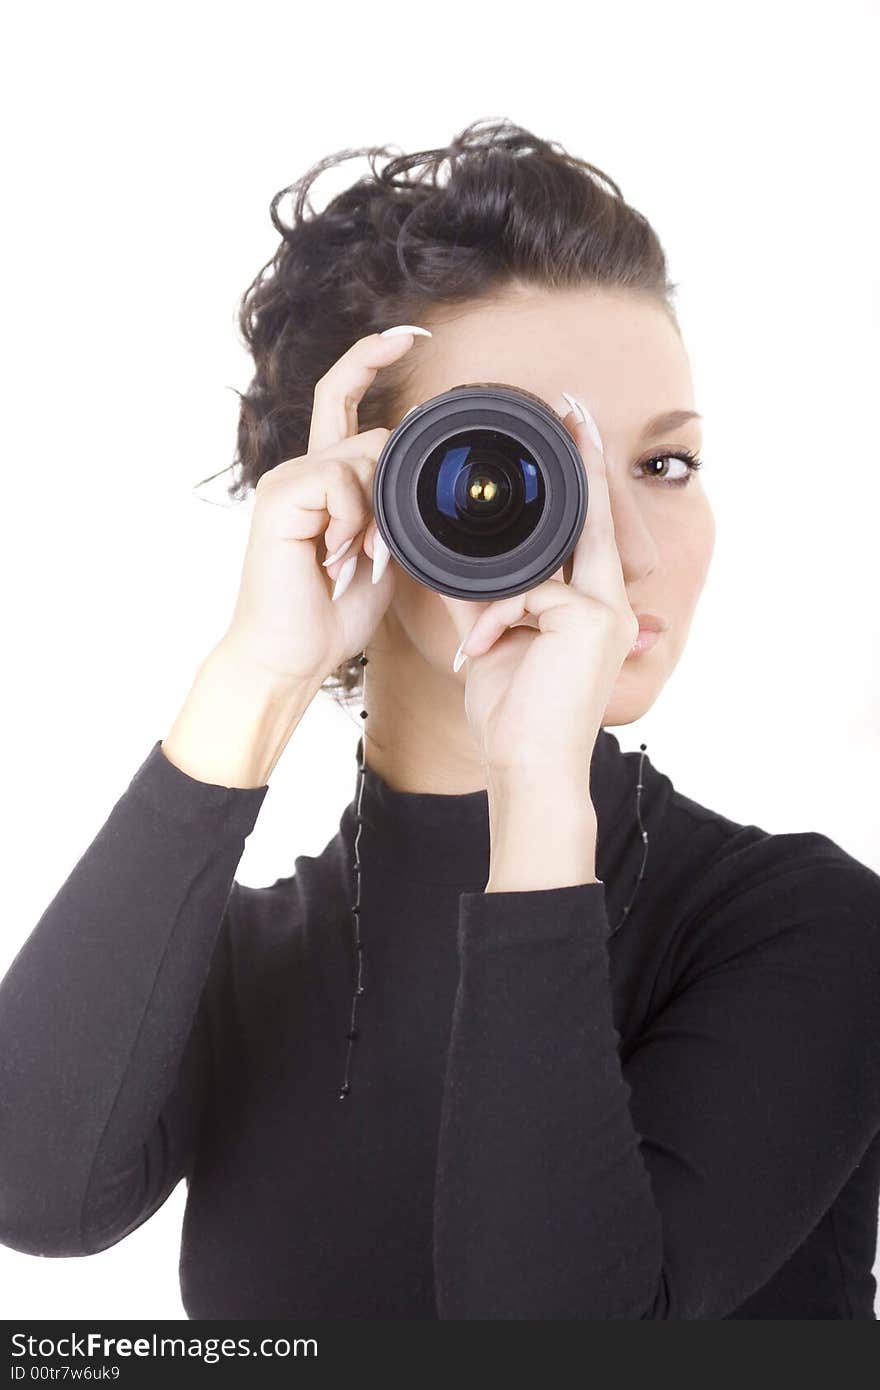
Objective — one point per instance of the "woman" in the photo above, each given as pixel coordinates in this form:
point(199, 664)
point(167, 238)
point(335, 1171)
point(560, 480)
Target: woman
point(426, 1076)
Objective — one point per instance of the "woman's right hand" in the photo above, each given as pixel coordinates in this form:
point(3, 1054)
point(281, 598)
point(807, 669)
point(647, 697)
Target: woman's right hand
point(285, 619)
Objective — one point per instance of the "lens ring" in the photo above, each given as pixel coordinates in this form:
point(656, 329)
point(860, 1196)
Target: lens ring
point(429, 535)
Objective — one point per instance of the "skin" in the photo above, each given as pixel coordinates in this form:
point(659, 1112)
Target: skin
point(621, 355)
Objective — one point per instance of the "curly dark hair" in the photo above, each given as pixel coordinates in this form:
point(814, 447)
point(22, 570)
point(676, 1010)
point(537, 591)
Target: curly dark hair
point(403, 241)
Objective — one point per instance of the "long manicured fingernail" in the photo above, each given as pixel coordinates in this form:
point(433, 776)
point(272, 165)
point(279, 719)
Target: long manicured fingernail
point(337, 553)
point(460, 656)
point(345, 577)
point(405, 328)
point(381, 556)
point(587, 419)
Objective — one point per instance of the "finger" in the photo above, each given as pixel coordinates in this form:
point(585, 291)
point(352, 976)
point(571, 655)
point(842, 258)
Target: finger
point(345, 505)
point(348, 509)
point(368, 443)
point(548, 603)
point(339, 528)
point(372, 539)
point(596, 567)
point(339, 392)
point(360, 454)
point(331, 499)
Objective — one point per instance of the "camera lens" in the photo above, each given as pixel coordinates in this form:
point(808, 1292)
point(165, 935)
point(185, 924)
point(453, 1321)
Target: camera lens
point(480, 492)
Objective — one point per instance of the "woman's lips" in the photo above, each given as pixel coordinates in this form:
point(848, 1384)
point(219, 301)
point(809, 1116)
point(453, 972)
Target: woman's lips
point(651, 627)
point(644, 641)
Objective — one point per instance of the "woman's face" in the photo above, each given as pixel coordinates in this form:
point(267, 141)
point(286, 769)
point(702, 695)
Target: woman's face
point(619, 354)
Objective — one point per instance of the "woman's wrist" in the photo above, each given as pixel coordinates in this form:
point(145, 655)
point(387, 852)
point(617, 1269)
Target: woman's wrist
point(235, 722)
point(542, 829)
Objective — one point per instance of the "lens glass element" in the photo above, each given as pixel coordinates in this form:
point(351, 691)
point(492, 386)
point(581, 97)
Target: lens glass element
point(480, 493)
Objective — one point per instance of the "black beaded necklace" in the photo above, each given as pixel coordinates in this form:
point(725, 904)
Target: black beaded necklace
point(353, 1032)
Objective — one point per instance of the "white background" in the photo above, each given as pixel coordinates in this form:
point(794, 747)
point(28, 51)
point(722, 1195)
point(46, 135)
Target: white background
point(142, 150)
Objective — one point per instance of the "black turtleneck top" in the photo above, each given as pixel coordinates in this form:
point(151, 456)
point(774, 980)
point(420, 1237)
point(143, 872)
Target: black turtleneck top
point(548, 1119)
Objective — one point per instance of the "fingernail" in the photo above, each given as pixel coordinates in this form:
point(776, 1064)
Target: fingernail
point(345, 577)
point(460, 656)
point(405, 328)
point(338, 553)
point(381, 556)
point(587, 419)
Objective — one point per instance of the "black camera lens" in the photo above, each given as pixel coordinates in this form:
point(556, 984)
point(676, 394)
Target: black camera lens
point(480, 492)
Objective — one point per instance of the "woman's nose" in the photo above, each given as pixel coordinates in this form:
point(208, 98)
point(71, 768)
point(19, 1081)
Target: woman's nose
point(636, 543)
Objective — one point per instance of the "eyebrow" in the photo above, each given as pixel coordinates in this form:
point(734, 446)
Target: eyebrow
point(668, 421)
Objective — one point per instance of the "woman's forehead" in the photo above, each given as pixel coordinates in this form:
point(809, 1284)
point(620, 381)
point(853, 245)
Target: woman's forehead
point(619, 353)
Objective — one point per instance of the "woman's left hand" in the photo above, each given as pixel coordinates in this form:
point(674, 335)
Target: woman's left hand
point(535, 698)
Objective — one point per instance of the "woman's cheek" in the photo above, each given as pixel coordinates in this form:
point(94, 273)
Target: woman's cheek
point(705, 534)
point(691, 553)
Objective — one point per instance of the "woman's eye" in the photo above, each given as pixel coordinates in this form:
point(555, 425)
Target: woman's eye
point(661, 468)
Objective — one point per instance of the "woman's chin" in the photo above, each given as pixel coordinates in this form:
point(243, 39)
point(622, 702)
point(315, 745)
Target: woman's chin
point(632, 696)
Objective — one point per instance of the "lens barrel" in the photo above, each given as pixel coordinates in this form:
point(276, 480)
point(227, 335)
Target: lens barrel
point(480, 492)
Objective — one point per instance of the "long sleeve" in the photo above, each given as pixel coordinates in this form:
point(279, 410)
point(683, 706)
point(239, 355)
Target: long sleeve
point(671, 1182)
point(104, 1045)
